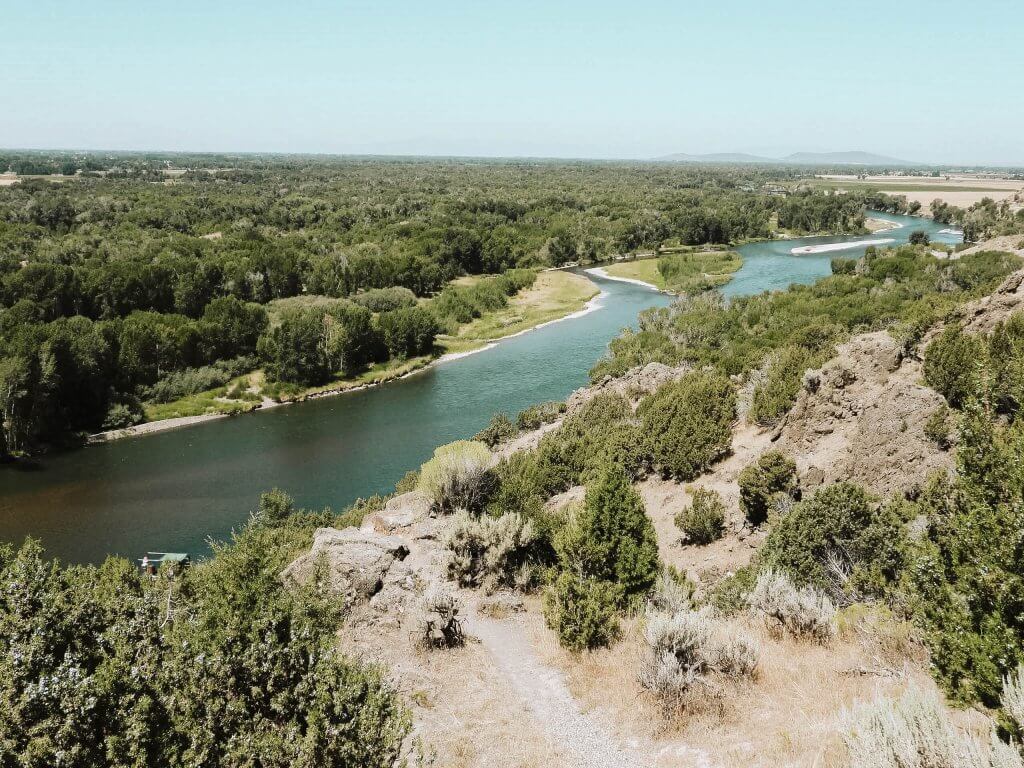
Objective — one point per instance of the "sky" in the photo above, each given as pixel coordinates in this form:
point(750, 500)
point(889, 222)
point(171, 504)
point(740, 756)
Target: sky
point(938, 82)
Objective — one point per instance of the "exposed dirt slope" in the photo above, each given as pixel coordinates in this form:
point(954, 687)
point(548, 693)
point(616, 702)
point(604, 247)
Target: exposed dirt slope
point(983, 315)
point(861, 417)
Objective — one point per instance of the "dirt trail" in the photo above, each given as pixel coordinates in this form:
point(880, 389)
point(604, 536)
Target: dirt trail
point(544, 691)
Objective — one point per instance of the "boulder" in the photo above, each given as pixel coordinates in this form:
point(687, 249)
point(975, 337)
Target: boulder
point(356, 561)
point(400, 512)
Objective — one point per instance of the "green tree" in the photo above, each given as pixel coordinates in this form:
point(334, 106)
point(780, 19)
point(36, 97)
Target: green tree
point(773, 473)
point(688, 423)
point(953, 364)
point(967, 578)
point(293, 351)
point(612, 539)
point(839, 525)
point(583, 611)
point(563, 248)
point(219, 665)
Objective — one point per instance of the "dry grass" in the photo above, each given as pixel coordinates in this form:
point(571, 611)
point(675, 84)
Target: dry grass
point(790, 715)
point(958, 191)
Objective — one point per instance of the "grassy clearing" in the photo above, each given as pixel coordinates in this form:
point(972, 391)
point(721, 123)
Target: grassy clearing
point(641, 269)
point(682, 272)
point(210, 401)
point(277, 308)
point(553, 295)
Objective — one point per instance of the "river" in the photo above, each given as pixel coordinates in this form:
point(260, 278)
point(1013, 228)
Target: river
point(173, 490)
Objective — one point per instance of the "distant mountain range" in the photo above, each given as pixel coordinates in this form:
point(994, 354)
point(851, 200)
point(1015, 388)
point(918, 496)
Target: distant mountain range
point(797, 158)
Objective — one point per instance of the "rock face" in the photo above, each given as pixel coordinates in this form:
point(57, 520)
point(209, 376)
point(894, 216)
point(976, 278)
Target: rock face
point(861, 417)
point(356, 561)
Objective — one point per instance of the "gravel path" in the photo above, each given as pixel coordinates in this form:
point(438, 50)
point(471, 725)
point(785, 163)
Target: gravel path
point(546, 695)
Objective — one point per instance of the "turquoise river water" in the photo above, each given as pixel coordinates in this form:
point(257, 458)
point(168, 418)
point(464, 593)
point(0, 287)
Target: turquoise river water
point(174, 490)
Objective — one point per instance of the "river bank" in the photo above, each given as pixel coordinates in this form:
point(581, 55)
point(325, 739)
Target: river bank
point(603, 272)
point(534, 310)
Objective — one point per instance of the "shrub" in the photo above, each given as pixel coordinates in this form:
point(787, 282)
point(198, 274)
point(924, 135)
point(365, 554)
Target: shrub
point(458, 476)
point(1005, 359)
point(275, 505)
point(500, 428)
point(838, 540)
point(776, 393)
point(804, 612)
point(967, 572)
point(672, 593)
point(729, 595)
point(439, 624)
point(191, 381)
point(915, 732)
point(936, 428)
point(583, 611)
point(688, 423)
point(602, 432)
point(704, 520)
point(409, 482)
point(238, 670)
point(519, 491)
point(122, 415)
point(843, 266)
point(490, 552)
point(537, 415)
point(952, 365)
point(771, 474)
point(684, 648)
point(385, 299)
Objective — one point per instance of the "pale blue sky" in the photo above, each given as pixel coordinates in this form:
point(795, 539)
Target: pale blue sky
point(938, 81)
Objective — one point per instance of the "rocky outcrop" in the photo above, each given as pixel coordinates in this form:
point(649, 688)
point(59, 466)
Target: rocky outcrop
point(986, 313)
point(356, 562)
point(861, 417)
point(403, 511)
point(633, 385)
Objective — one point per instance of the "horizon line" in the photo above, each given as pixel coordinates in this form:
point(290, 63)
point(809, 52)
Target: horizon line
point(660, 160)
